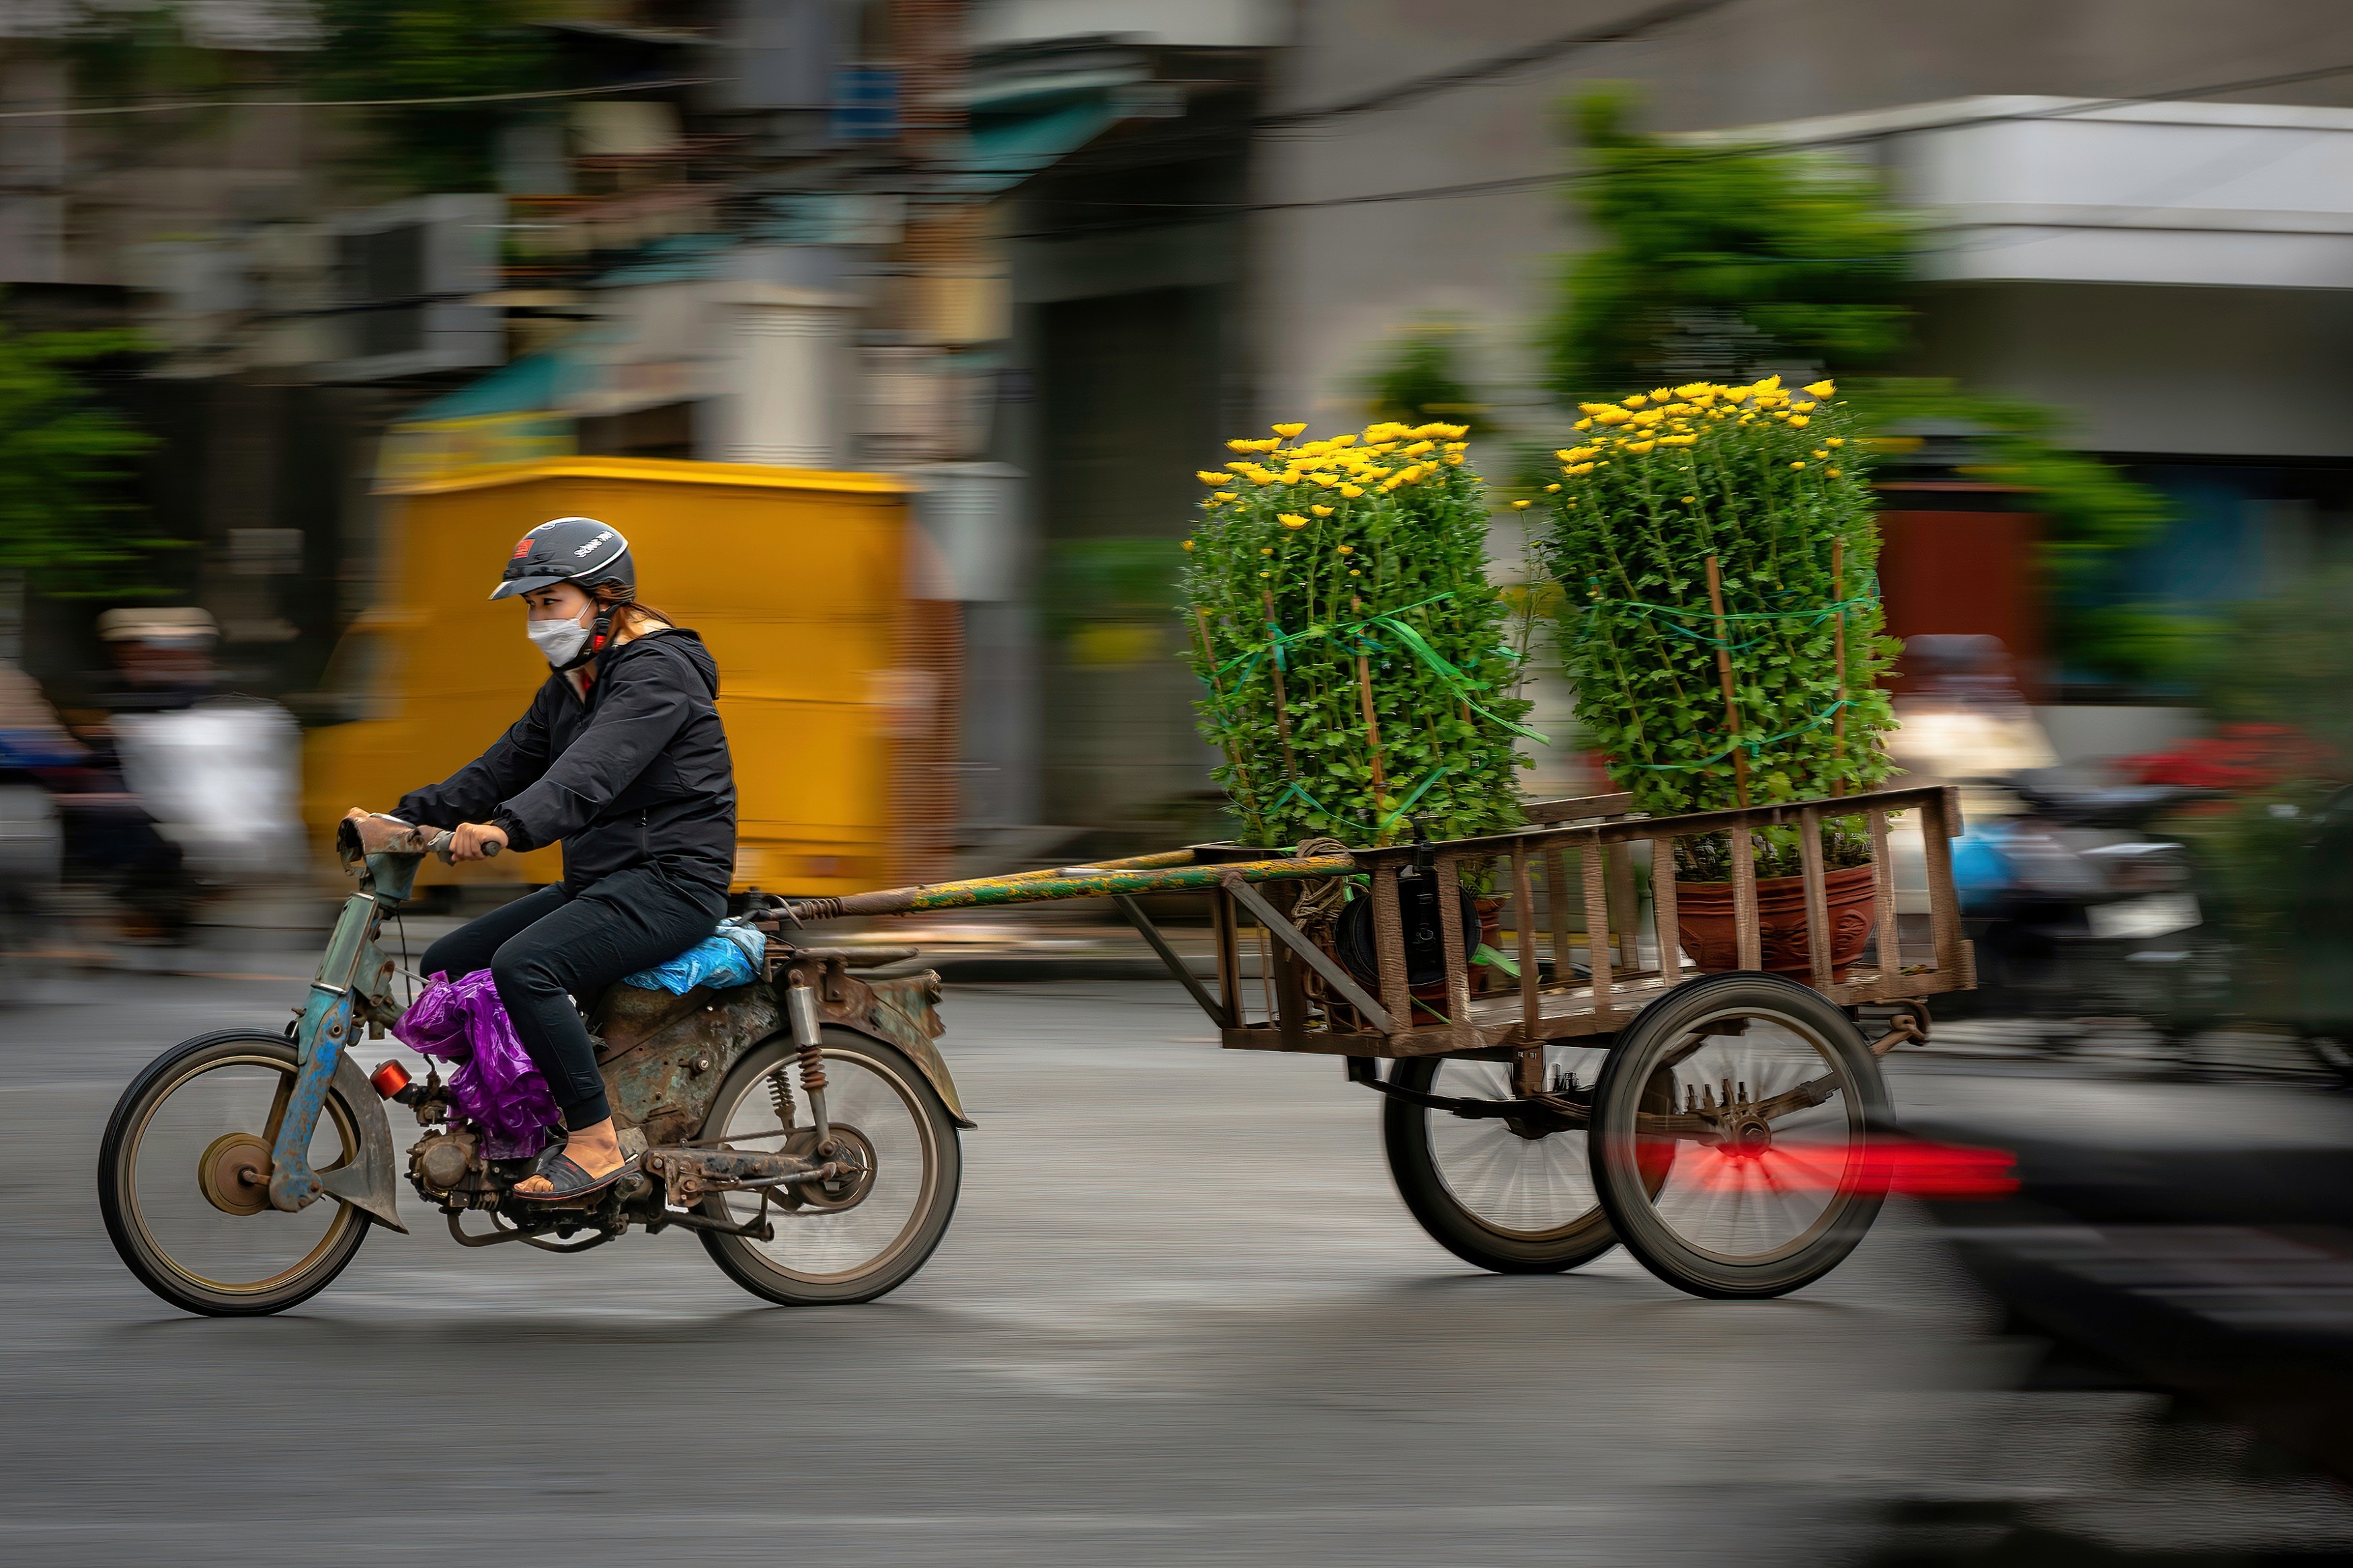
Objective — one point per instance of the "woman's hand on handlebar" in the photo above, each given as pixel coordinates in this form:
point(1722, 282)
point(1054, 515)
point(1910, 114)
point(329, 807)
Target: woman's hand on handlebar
point(468, 841)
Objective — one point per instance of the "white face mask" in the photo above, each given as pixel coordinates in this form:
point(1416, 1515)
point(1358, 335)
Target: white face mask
point(560, 640)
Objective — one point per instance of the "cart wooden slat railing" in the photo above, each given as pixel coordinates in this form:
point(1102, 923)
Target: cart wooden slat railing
point(1579, 855)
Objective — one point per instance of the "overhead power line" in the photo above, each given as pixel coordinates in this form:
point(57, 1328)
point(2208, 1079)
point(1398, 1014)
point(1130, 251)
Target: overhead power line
point(1183, 212)
point(1399, 94)
point(175, 106)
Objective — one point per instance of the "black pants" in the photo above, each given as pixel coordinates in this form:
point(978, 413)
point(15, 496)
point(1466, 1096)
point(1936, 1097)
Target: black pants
point(556, 944)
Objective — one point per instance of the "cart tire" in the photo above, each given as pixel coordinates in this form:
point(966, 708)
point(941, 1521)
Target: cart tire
point(1542, 1216)
point(1780, 1210)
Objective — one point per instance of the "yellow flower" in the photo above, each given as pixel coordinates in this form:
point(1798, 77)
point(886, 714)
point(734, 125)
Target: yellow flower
point(1263, 446)
point(1189, 545)
point(1266, 573)
point(1452, 432)
point(1370, 473)
point(1519, 506)
point(1352, 491)
point(1698, 390)
point(1834, 441)
point(1355, 573)
point(1595, 407)
point(1820, 453)
point(1346, 549)
point(1578, 454)
point(1799, 421)
point(1736, 394)
point(1801, 408)
point(1797, 465)
point(1634, 401)
point(1223, 495)
point(1822, 388)
point(1455, 458)
point(1287, 431)
point(1662, 395)
point(1290, 520)
point(1579, 469)
point(1320, 510)
point(1206, 477)
point(1771, 384)
point(1613, 416)
point(1419, 448)
point(1552, 489)
point(1831, 472)
point(1688, 500)
point(1582, 425)
point(1677, 440)
point(1266, 553)
point(1640, 446)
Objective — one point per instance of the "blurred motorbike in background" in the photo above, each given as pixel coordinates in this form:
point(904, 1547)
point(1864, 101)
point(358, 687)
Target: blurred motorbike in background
point(165, 797)
point(2081, 909)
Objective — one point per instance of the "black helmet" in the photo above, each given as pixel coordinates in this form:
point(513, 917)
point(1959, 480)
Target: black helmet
point(576, 550)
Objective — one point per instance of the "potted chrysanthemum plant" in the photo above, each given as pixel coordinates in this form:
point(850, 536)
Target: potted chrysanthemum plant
point(1355, 675)
point(1716, 548)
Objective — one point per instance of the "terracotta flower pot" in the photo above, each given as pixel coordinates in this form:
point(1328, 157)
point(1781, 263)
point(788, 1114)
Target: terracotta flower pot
point(1703, 919)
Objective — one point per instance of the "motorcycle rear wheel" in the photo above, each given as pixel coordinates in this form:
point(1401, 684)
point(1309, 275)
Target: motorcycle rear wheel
point(173, 1187)
point(833, 1257)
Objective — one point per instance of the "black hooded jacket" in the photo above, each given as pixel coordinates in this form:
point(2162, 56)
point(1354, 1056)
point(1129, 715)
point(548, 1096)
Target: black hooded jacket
point(636, 775)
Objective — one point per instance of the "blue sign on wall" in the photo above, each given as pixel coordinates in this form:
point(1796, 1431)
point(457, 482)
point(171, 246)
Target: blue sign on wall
point(865, 103)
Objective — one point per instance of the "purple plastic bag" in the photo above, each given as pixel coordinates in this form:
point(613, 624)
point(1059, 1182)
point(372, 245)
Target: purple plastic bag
point(495, 1085)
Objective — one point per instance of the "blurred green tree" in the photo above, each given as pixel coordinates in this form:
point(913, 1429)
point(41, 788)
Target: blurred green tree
point(1716, 261)
point(1418, 381)
point(434, 49)
point(1726, 262)
point(63, 461)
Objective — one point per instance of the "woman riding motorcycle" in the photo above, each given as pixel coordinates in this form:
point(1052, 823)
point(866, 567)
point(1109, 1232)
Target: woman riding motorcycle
point(620, 756)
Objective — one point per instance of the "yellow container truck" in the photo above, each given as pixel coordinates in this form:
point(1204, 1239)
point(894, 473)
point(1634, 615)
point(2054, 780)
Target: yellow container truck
point(837, 692)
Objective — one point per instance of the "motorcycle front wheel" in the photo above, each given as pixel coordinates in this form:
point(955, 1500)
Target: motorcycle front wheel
point(858, 1240)
point(184, 1179)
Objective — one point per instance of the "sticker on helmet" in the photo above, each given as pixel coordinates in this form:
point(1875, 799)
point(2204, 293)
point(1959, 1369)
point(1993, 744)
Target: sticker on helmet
point(593, 543)
point(522, 549)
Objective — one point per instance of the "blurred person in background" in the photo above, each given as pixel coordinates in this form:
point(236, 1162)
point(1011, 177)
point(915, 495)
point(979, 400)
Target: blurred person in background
point(33, 745)
point(1966, 722)
point(161, 661)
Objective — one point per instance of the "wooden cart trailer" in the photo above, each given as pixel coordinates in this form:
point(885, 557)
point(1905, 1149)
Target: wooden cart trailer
point(1730, 1126)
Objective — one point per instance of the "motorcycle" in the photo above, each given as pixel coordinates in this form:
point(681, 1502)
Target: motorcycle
point(2079, 910)
point(241, 1170)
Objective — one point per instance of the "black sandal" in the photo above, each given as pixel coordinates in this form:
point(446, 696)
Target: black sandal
point(569, 1180)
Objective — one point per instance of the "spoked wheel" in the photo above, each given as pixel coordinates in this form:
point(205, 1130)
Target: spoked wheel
point(1508, 1196)
point(853, 1239)
point(183, 1181)
point(1758, 1179)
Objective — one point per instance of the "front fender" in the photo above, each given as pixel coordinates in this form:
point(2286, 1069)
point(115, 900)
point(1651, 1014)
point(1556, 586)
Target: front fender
point(370, 1182)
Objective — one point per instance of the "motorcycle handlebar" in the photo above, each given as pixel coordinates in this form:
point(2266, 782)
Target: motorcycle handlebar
point(382, 835)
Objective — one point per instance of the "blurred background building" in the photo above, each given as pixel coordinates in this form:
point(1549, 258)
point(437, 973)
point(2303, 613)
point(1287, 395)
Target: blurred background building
point(1036, 257)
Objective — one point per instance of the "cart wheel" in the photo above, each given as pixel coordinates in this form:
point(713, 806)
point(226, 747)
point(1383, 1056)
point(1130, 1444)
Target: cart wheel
point(1756, 1181)
point(1488, 1193)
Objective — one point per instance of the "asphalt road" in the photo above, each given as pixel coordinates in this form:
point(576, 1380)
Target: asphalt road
point(1181, 1318)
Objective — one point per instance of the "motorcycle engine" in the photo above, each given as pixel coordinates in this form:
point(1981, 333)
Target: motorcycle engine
point(443, 1164)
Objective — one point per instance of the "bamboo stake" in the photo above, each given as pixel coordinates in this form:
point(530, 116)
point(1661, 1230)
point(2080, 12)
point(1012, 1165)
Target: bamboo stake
point(1838, 719)
point(1233, 753)
point(1724, 675)
point(1282, 713)
point(1372, 729)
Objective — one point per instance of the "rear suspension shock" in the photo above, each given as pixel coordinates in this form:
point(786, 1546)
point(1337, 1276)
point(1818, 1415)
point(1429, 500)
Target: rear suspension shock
point(800, 1006)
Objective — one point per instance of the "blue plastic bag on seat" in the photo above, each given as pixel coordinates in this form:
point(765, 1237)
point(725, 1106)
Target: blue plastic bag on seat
point(728, 957)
